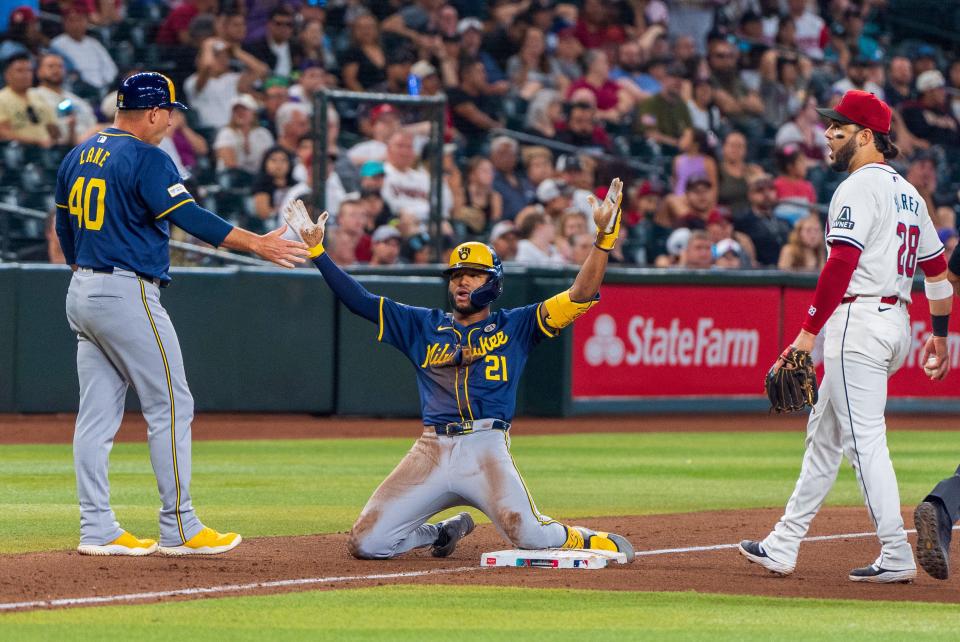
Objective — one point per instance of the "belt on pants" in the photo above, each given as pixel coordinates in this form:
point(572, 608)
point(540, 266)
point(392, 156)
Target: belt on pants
point(888, 300)
point(466, 427)
point(122, 272)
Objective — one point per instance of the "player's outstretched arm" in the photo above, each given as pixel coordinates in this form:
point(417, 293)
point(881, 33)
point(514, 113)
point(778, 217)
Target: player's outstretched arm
point(346, 288)
point(270, 246)
point(563, 309)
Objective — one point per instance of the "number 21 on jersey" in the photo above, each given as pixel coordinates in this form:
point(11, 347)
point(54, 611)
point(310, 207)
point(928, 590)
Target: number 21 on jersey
point(496, 367)
point(79, 202)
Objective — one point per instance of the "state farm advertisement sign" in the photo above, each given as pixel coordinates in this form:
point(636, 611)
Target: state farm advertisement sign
point(909, 381)
point(676, 340)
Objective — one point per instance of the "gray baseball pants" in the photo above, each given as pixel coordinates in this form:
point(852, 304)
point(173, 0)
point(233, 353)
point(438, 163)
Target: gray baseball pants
point(124, 338)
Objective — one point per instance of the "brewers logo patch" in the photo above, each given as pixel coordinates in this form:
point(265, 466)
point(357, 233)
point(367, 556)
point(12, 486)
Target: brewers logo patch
point(844, 222)
point(464, 253)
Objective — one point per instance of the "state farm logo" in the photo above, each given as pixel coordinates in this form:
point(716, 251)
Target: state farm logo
point(604, 346)
point(650, 344)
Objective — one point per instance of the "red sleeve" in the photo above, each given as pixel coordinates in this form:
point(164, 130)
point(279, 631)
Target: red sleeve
point(831, 285)
point(932, 267)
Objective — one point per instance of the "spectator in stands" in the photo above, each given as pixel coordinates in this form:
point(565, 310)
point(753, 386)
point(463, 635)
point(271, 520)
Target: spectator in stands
point(184, 146)
point(214, 86)
point(612, 101)
point(539, 163)
point(899, 86)
point(929, 118)
point(275, 93)
point(293, 123)
point(364, 64)
point(568, 53)
point(242, 143)
point(694, 159)
point(536, 245)
point(315, 45)
point(782, 87)
point(805, 129)
point(480, 197)
point(278, 49)
point(88, 56)
point(173, 31)
point(474, 109)
point(734, 171)
point(856, 39)
point(377, 210)
point(735, 99)
point(384, 121)
point(503, 239)
point(555, 197)
point(767, 233)
point(385, 246)
point(922, 174)
point(312, 78)
point(630, 73)
point(416, 22)
point(953, 75)
point(809, 27)
point(472, 47)
point(272, 183)
point(406, 189)
point(582, 126)
point(730, 255)
point(594, 28)
point(693, 207)
point(351, 221)
point(704, 113)
point(531, 70)
point(24, 116)
point(648, 224)
point(232, 28)
point(664, 117)
point(858, 77)
point(23, 34)
point(791, 182)
point(397, 72)
point(805, 251)
point(720, 228)
point(577, 171)
point(543, 113)
point(512, 185)
point(698, 252)
point(580, 245)
point(75, 116)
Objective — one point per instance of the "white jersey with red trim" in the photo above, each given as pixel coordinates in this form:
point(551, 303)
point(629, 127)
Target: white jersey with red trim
point(879, 212)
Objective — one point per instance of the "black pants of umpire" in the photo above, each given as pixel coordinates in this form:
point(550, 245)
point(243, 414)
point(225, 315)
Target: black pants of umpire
point(948, 492)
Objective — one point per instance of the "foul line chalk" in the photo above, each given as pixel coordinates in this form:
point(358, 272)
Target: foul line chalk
point(307, 581)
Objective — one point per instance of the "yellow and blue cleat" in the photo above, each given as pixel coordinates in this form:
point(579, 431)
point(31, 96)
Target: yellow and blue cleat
point(585, 538)
point(126, 544)
point(206, 542)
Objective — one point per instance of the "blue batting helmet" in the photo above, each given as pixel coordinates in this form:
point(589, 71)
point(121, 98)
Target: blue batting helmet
point(478, 256)
point(146, 90)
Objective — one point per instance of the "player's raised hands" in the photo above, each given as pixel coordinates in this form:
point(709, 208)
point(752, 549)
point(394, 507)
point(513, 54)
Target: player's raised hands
point(607, 215)
point(295, 214)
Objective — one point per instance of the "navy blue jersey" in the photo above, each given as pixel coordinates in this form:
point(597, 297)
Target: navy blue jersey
point(113, 194)
point(484, 389)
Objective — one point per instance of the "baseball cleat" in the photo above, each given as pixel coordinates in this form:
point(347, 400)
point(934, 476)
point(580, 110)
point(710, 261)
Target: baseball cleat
point(450, 532)
point(601, 541)
point(933, 549)
point(754, 552)
point(877, 575)
point(206, 542)
point(126, 544)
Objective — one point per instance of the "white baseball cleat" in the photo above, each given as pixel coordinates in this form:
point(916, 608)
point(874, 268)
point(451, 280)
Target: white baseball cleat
point(126, 544)
point(754, 552)
point(877, 575)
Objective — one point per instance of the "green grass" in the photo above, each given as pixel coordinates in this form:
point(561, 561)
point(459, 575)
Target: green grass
point(313, 486)
point(489, 613)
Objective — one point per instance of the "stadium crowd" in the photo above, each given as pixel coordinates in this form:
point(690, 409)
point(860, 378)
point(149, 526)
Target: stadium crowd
point(705, 108)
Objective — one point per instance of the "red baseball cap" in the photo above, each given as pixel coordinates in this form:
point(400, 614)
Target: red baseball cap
point(862, 108)
point(381, 110)
point(22, 13)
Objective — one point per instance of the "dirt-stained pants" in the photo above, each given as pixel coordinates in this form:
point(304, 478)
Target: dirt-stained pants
point(440, 472)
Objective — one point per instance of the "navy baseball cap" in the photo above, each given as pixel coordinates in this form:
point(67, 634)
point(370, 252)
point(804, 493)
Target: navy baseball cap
point(146, 90)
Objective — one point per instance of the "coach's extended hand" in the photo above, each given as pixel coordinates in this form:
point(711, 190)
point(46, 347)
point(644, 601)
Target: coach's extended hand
point(607, 215)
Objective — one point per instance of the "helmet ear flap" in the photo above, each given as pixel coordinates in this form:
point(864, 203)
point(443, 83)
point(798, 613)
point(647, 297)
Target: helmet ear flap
point(490, 291)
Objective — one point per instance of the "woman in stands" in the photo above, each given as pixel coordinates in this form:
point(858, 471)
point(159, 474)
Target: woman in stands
point(272, 183)
point(805, 250)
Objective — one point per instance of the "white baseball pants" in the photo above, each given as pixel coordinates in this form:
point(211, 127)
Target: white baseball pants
point(865, 343)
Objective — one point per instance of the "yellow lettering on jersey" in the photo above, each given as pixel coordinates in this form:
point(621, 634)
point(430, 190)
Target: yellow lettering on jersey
point(96, 155)
point(491, 343)
point(437, 355)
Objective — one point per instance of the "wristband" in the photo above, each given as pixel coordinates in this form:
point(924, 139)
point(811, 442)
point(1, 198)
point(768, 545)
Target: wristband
point(316, 250)
point(937, 289)
point(940, 323)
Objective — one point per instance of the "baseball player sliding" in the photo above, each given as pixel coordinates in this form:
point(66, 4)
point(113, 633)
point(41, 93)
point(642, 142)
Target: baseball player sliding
point(468, 363)
point(878, 234)
point(117, 194)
